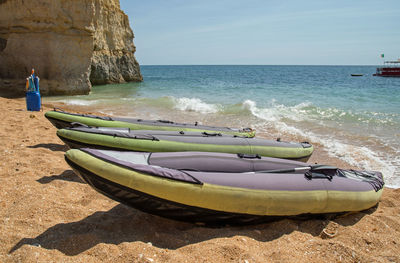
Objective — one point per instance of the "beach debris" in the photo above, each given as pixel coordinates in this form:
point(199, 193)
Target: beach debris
point(330, 231)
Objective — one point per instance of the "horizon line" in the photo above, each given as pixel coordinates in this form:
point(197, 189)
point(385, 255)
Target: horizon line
point(259, 65)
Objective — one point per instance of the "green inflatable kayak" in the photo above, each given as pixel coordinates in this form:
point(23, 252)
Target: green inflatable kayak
point(174, 141)
point(220, 188)
point(61, 119)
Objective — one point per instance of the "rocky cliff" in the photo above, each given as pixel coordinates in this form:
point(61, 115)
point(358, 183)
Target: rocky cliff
point(70, 43)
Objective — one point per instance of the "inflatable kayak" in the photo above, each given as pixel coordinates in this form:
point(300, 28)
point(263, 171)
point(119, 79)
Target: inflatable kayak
point(61, 119)
point(223, 188)
point(173, 141)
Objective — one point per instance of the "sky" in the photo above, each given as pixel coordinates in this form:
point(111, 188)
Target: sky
point(264, 32)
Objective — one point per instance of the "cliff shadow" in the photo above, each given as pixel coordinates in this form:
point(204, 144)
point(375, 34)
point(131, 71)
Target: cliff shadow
point(67, 175)
point(124, 224)
point(10, 94)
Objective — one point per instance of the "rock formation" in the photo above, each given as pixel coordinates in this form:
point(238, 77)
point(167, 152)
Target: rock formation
point(70, 43)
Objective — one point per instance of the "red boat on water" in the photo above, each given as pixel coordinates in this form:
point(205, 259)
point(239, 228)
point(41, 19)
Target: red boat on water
point(389, 69)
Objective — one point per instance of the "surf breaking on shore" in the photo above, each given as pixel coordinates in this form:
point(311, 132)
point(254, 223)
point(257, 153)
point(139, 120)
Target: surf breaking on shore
point(330, 128)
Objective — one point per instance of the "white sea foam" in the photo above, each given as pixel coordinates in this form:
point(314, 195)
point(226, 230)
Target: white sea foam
point(195, 104)
point(306, 111)
point(79, 102)
point(265, 114)
point(358, 156)
point(276, 112)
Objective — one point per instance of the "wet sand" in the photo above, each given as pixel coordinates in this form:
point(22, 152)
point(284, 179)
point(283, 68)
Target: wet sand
point(47, 214)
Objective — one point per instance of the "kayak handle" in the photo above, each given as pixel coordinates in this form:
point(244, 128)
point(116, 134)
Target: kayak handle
point(248, 156)
point(212, 134)
point(165, 121)
point(314, 175)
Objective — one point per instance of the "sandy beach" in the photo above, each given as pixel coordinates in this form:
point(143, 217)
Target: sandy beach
point(47, 214)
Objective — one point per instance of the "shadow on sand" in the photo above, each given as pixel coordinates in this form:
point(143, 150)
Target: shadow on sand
point(51, 146)
point(124, 224)
point(11, 94)
point(67, 175)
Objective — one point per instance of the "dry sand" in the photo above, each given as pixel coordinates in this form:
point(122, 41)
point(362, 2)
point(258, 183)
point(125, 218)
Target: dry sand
point(47, 214)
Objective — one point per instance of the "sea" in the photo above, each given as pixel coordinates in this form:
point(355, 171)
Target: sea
point(356, 119)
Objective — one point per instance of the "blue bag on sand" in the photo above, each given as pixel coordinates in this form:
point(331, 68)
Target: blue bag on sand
point(33, 100)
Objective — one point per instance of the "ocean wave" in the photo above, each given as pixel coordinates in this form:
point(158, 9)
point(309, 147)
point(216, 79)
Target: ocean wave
point(79, 102)
point(277, 112)
point(365, 117)
point(272, 111)
point(359, 156)
point(195, 104)
point(306, 111)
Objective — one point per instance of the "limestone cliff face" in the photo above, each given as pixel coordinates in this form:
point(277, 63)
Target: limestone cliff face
point(70, 43)
point(113, 58)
